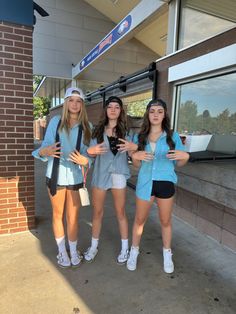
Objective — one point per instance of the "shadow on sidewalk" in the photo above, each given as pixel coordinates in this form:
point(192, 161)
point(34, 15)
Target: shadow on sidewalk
point(204, 280)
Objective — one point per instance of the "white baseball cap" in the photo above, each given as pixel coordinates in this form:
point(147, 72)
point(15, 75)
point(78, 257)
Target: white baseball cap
point(70, 92)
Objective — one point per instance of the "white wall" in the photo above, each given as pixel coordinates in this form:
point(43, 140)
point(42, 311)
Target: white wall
point(70, 32)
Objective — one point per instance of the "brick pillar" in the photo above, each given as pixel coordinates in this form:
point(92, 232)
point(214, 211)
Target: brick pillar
point(16, 129)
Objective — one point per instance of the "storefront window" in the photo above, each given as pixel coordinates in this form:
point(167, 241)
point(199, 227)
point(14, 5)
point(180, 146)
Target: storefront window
point(202, 19)
point(208, 107)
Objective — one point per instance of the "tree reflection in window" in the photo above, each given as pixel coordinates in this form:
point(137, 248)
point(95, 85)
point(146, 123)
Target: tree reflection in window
point(208, 106)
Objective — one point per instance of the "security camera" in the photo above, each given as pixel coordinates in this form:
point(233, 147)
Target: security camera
point(40, 11)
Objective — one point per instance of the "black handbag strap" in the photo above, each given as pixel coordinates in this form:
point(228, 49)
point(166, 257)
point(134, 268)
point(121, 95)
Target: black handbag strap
point(79, 138)
point(56, 161)
point(55, 166)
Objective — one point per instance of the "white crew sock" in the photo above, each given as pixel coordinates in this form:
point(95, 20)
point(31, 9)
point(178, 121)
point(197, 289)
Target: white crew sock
point(124, 245)
point(94, 243)
point(134, 248)
point(61, 244)
point(73, 247)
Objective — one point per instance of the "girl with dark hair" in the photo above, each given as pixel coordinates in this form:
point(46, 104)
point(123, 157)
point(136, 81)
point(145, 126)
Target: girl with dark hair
point(108, 145)
point(65, 149)
point(159, 150)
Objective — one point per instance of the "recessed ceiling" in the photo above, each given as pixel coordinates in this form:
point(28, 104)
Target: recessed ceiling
point(152, 35)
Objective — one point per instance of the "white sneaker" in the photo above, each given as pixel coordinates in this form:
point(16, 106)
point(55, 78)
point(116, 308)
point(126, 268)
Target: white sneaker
point(132, 259)
point(122, 257)
point(90, 254)
point(168, 263)
point(76, 258)
point(63, 260)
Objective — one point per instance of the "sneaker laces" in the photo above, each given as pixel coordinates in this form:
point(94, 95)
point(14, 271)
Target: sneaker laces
point(61, 256)
point(90, 252)
point(123, 254)
point(76, 257)
point(133, 255)
point(168, 257)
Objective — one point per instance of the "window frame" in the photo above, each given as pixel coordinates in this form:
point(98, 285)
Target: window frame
point(176, 91)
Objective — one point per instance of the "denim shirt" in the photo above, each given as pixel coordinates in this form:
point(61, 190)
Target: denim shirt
point(159, 169)
point(107, 164)
point(69, 172)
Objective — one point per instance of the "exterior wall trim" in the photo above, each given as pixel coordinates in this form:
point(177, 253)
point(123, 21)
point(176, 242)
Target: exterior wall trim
point(204, 64)
point(193, 45)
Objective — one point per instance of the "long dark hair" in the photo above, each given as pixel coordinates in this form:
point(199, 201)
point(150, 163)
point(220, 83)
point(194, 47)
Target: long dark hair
point(146, 126)
point(119, 130)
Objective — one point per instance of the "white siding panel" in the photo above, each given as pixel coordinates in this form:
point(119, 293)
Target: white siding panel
point(126, 67)
point(45, 41)
point(45, 27)
point(121, 54)
point(43, 55)
point(74, 33)
point(146, 58)
point(92, 24)
point(77, 6)
point(67, 57)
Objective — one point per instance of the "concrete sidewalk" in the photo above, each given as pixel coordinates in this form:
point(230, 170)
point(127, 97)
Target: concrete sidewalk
point(204, 280)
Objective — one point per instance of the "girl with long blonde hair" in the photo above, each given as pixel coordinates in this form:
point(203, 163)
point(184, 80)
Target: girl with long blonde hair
point(65, 149)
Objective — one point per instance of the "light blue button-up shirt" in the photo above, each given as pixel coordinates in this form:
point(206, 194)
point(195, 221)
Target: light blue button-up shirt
point(69, 172)
point(159, 169)
point(107, 164)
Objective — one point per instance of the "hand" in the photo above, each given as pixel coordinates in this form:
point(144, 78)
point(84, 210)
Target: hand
point(98, 149)
point(77, 158)
point(52, 151)
point(177, 155)
point(142, 155)
point(180, 156)
point(126, 146)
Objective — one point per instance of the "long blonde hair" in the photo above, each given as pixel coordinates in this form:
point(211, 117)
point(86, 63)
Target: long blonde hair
point(82, 118)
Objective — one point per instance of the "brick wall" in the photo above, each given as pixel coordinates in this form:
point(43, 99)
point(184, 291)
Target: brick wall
point(16, 129)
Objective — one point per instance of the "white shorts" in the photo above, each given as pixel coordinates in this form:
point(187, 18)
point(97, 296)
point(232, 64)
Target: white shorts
point(118, 181)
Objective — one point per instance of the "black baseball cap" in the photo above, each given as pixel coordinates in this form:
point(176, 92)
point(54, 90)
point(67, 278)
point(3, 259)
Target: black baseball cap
point(156, 102)
point(113, 99)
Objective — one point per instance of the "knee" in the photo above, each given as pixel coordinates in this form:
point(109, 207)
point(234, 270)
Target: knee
point(57, 215)
point(165, 223)
point(98, 214)
point(139, 221)
point(72, 219)
point(121, 216)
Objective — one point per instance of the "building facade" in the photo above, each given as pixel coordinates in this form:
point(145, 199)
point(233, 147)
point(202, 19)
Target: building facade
point(100, 47)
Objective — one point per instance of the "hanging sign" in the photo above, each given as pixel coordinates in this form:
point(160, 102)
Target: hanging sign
point(107, 42)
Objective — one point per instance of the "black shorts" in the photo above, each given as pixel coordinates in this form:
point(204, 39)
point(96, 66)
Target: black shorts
point(74, 187)
point(163, 189)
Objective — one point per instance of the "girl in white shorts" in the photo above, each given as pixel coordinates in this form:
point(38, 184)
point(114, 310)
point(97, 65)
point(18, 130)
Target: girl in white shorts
point(109, 145)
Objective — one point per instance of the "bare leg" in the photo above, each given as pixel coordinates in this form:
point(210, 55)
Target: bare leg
point(119, 203)
point(98, 198)
point(141, 214)
point(72, 211)
point(58, 202)
point(165, 214)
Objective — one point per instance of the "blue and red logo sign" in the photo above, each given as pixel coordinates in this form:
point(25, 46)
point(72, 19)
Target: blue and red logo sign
point(109, 40)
